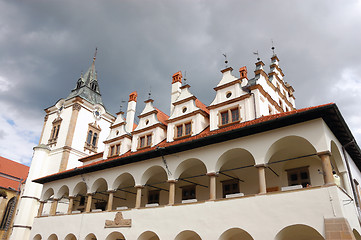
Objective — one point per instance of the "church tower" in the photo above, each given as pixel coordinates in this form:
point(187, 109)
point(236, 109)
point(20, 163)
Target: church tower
point(74, 127)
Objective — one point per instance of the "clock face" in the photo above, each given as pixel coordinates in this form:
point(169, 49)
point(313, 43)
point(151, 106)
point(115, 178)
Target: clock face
point(97, 114)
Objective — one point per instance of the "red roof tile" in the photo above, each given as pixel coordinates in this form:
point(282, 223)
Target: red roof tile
point(205, 133)
point(12, 169)
point(162, 117)
point(201, 105)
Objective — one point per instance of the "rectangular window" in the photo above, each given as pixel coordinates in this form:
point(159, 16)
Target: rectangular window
point(145, 141)
point(235, 114)
point(189, 192)
point(230, 116)
point(298, 176)
point(54, 131)
point(224, 116)
point(112, 151)
point(230, 187)
point(153, 196)
point(183, 130)
point(179, 130)
point(91, 141)
point(117, 149)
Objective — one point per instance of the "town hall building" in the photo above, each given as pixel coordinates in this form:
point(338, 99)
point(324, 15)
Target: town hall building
point(249, 166)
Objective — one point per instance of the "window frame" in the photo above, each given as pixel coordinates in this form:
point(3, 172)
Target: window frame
point(189, 188)
point(152, 193)
point(92, 138)
point(183, 127)
point(230, 183)
point(55, 129)
point(228, 114)
point(148, 140)
point(299, 181)
point(114, 150)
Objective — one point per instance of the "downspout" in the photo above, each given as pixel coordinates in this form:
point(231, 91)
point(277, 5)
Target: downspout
point(351, 178)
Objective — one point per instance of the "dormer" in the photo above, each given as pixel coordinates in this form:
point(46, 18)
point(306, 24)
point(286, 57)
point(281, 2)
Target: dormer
point(119, 140)
point(189, 117)
point(232, 103)
point(151, 129)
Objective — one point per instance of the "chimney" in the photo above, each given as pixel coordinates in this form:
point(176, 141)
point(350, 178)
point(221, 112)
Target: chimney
point(243, 72)
point(132, 103)
point(176, 84)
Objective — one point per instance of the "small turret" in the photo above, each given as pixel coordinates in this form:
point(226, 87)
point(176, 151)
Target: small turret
point(176, 84)
point(132, 103)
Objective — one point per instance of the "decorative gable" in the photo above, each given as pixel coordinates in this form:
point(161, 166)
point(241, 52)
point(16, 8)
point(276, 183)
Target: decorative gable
point(189, 117)
point(151, 129)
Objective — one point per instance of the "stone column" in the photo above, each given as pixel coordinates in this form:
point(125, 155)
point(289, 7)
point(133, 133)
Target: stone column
point(212, 185)
point(110, 200)
point(71, 203)
point(262, 178)
point(138, 200)
point(53, 207)
point(171, 192)
point(89, 202)
point(326, 167)
point(41, 208)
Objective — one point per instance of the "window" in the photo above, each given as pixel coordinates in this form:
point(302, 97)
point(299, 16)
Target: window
point(229, 116)
point(298, 176)
point(92, 138)
point(183, 130)
point(153, 196)
point(145, 141)
point(230, 187)
point(114, 150)
point(8, 214)
point(55, 131)
point(189, 192)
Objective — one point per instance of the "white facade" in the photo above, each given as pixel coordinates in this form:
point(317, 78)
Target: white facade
point(245, 167)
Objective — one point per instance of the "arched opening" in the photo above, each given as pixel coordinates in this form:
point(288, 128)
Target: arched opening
point(90, 236)
point(156, 187)
point(148, 235)
point(115, 236)
point(298, 232)
point(70, 236)
point(80, 197)
point(187, 235)
point(48, 199)
point(192, 181)
point(53, 237)
point(293, 164)
point(37, 237)
point(125, 193)
point(356, 234)
point(100, 195)
point(237, 174)
point(8, 214)
point(63, 200)
point(338, 168)
point(235, 234)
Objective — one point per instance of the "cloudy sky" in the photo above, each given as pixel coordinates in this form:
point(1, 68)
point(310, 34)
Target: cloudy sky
point(44, 46)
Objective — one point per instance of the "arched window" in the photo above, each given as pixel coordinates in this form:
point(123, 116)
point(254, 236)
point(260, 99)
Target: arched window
point(93, 86)
point(79, 83)
point(89, 138)
point(95, 139)
point(5, 222)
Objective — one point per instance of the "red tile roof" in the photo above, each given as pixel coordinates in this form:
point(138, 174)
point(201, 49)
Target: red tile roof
point(201, 105)
point(162, 117)
point(205, 133)
point(12, 169)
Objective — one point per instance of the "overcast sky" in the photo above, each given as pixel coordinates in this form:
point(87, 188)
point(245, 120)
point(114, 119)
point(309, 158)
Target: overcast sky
point(44, 46)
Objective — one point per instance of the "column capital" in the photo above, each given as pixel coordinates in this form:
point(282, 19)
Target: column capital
point(212, 174)
point(72, 197)
point(172, 181)
point(139, 186)
point(264, 165)
point(90, 194)
point(55, 199)
point(328, 153)
point(111, 191)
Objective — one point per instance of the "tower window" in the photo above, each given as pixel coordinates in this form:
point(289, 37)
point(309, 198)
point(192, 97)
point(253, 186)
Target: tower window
point(183, 130)
point(55, 131)
point(229, 116)
point(93, 86)
point(92, 138)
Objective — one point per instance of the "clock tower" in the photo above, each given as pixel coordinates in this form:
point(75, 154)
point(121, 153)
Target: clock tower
point(74, 127)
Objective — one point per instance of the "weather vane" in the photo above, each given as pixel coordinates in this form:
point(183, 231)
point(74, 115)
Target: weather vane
point(256, 53)
point(185, 78)
point(273, 47)
point(225, 59)
point(121, 105)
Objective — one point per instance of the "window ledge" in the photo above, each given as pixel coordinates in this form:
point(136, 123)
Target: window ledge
point(181, 137)
point(228, 124)
point(141, 148)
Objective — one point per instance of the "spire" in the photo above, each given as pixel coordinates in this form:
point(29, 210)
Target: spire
point(87, 86)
